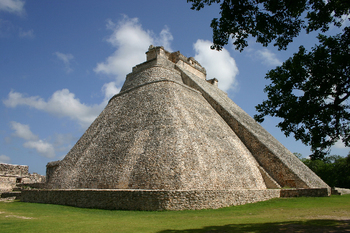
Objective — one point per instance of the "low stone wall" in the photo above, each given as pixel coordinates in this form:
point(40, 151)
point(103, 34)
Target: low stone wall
point(15, 195)
point(315, 192)
point(148, 199)
point(135, 199)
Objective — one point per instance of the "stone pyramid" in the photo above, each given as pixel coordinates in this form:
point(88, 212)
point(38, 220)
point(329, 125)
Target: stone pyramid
point(174, 134)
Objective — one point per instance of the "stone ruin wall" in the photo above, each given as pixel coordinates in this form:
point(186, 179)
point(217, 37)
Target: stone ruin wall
point(11, 175)
point(13, 170)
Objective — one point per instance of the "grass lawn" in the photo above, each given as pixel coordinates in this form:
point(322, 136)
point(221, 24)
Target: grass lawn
point(321, 214)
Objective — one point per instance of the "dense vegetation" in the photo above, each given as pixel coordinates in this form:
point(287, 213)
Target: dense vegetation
point(334, 170)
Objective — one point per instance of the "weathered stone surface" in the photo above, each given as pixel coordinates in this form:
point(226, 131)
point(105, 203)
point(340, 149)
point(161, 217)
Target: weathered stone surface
point(11, 175)
point(7, 183)
point(159, 136)
point(285, 168)
point(172, 140)
point(13, 170)
point(149, 199)
point(131, 199)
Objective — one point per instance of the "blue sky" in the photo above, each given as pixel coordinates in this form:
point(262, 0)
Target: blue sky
point(61, 61)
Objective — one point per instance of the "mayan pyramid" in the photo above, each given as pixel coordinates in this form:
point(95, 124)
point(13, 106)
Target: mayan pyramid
point(170, 130)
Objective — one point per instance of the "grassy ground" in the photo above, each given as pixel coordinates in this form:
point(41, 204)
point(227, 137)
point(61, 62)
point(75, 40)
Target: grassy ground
point(324, 214)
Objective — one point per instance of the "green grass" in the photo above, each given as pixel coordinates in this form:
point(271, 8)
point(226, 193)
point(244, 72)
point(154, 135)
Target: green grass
point(321, 214)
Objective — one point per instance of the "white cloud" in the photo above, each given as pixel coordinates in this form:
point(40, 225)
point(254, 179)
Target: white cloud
point(267, 57)
point(131, 42)
point(15, 98)
point(26, 34)
point(66, 58)
point(4, 159)
point(44, 148)
point(12, 6)
point(110, 89)
point(339, 144)
point(219, 64)
point(23, 131)
point(64, 142)
point(165, 38)
point(32, 141)
point(62, 104)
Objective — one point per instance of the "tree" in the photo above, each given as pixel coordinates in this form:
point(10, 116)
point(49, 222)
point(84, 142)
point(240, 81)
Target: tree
point(310, 93)
point(271, 20)
point(334, 170)
point(311, 90)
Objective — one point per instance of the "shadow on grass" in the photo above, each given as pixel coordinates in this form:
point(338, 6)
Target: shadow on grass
point(293, 226)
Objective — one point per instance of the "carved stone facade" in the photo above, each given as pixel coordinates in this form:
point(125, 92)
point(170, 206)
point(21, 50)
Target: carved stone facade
point(170, 130)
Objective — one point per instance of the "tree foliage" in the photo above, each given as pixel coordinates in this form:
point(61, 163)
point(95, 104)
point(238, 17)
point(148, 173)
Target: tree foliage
point(310, 91)
point(271, 20)
point(334, 170)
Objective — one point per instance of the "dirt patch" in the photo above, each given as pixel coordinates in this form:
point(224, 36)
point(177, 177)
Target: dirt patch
point(7, 199)
point(16, 216)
